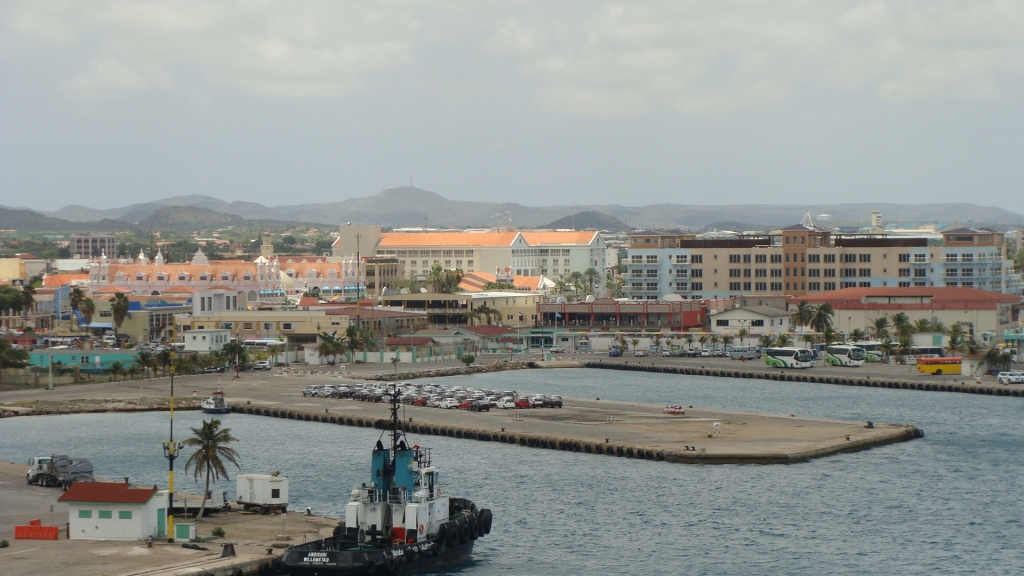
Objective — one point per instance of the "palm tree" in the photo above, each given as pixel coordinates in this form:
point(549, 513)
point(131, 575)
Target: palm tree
point(28, 299)
point(713, 339)
point(922, 325)
point(956, 339)
point(473, 317)
point(329, 346)
point(353, 340)
point(858, 335)
point(591, 276)
point(689, 341)
point(703, 340)
point(802, 314)
point(939, 327)
point(784, 340)
point(726, 341)
point(163, 358)
point(576, 280)
point(822, 317)
point(880, 327)
point(887, 346)
point(828, 336)
point(767, 341)
point(145, 361)
point(742, 333)
point(11, 357)
point(902, 324)
point(88, 310)
point(75, 297)
point(116, 369)
point(119, 309)
point(486, 311)
point(210, 442)
point(809, 339)
point(634, 341)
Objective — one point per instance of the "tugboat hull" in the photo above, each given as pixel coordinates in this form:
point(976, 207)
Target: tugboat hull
point(315, 561)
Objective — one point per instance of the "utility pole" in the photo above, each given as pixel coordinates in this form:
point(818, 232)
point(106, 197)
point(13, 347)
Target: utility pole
point(171, 449)
point(359, 279)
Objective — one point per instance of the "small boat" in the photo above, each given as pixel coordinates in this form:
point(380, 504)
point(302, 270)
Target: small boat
point(215, 404)
point(402, 520)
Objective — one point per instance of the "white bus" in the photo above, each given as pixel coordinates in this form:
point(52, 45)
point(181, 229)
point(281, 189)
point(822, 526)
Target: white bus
point(789, 357)
point(746, 352)
point(263, 343)
point(872, 351)
point(844, 356)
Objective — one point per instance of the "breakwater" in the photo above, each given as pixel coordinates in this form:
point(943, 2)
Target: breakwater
point(792, 376)
point(609, 447)
point(499, 366)
point(95, 405)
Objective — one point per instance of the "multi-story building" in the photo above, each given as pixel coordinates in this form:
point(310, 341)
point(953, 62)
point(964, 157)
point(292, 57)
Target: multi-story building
point(551, 254)
point(806, 259)
point(93, 246)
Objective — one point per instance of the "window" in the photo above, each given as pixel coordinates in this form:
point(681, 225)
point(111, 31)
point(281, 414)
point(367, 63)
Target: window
point(967, 272)
point(760, 258)
point(848, 272)
point(904, 272)
point(682, 286)
point(652, 273)
point(106, 514)
point(904, 284)
point(286, 326)
point(761, 286)
point(814, 273)
point(761, 273)
point(636, 285)
point(275, 492)
point(636, 259)
point(814, 286)
point(681, 259)
point(865, 257)
point(652, 258)
point(734, 258)
point(124, 514)
point(830, 258)
point(776, 286)
point(734, 273)
point(787, 257)
point(696, 286)
point(849, 257)
point(682, 273)
point(757, 323)
point(721, 322)
point(787, 271)
point(904, 257)
point(746, 286)
point(967, 257)
point(951, 272)
point(849, 284)
point(746, 258)
point(652, 286)
point(865, 272)
point(734, 286)
point(746, 273)
point(865, 284)
point(268, 326)
point(776, 258)
point(829, 285)
point(697, 259)
point(776, 272)
point(85, 513)
point(247, 325)
point(919, 273)
point(697, 273)
point(814, 258)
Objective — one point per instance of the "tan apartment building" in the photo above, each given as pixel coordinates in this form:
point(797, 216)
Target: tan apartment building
point(805, 259)
point(296, 327)
point(511, 308)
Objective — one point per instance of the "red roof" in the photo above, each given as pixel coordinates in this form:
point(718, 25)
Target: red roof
point(935, 298)
point(111, 290)
point(488, 330)
point(179, 289)
point(107, 492)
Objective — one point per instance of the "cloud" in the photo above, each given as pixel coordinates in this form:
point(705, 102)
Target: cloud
point(590, 59)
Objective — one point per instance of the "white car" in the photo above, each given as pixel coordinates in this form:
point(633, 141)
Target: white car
point(506, 402)
point(449, 403)
point(261, 365)
point(1011, 378)
point(310, 390)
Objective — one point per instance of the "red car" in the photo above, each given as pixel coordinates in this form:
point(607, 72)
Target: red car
point(522, 402)
point(420, 401)
point(465, 404)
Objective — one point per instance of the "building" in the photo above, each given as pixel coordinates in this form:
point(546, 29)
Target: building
point(552, 254)
point(93, 246)
point(984, 315)
point(806, 259)
point(607, 314)
point(756, 320)
point(379, 273)
point(149, 319)
point(12, 271)
point(506, 308)
point(114, 511)
point(205, 340)
point(85, 360)
point(297, 328)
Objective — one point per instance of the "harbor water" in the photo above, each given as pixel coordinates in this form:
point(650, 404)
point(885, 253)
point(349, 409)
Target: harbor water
point(948, 503)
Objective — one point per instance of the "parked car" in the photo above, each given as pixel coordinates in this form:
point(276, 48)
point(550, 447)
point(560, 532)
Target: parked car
point(506, 402)
point(465, 404)
point(1011, 378)
point(310, 390)
point(523, 402)
point(666, 353)
point(639, 352)
point(449, 403)
point(555, 401)
point(555, 350)
point(615, 352)
point(213, 369)
point(328, 391)
point(479, 406)
point(538, 401)
point(261, 365)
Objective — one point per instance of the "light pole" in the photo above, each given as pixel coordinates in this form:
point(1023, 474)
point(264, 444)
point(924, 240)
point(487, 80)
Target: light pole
point(171, 449)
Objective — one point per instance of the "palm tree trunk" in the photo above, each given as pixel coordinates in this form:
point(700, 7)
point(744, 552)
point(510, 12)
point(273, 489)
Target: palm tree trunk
point(202, 507)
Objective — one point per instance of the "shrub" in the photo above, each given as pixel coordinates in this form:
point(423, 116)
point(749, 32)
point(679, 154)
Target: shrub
point(218, 532)
point(4, 543)
point(467, 359)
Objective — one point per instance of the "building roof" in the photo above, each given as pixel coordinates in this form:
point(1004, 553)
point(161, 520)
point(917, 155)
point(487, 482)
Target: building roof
point(762, 310)
point(58, 280)
point(408, 341)
point(111, 290)
point(476, 281)
point(924, 298)
point(965, 230)
point(484, 239)
point(107, 492)
point(178, 289)
point(488, 330)
point(564, 238)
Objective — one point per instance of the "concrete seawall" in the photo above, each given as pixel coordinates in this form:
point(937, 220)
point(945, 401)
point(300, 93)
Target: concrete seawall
point(795, 376)
point(646, 444)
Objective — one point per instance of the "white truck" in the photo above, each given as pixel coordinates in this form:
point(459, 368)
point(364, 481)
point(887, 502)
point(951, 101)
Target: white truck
point(58, 470)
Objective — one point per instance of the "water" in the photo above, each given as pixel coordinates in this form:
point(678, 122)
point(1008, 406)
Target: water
point(949, 503)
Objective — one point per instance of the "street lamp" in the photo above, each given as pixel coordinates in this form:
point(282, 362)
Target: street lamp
point(171, 449)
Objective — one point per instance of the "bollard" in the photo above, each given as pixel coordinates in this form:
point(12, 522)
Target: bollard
point(228, 551)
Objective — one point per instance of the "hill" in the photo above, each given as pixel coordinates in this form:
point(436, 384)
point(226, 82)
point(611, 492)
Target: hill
point(588, 220)
point(30, 221)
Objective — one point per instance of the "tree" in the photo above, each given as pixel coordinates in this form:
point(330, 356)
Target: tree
point(634, 341)
point(467, 359)
point(784, 340)
point(828, 336)
point(28, 296)
point(211, 444)
point(329, 346)
point(713, 339)
point(145, 361)
point(726, 341)
point(887, 346)
point(577, 282)
point(742, 334)
point(880, 327)
point(473, 317)
point(88, 310)
point(939, 327)
point(591, 276)
point(119, 309)
point(75, 297)
point(956, 339)
point(395, 360)
point(858, 335)
point(163, 358)
point(822, 317)
point(353, 340)
point(486, 311)
point(444, 281)
point(235, 352)
point(802, 314)
point(767, 341)
point(902, 325)
point(11, 357)
point(922, 325)
point(117, 369)
point(11, 299)
point(703, 339)
point(809, 339)
point(997, 360)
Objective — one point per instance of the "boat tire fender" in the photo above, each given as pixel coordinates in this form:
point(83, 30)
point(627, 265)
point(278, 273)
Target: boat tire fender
point(474, 527)
point(465, 533)
point(452, 536)
point(370, 567)
point(485, 520)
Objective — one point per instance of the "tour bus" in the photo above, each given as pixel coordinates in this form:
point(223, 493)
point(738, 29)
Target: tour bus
point(939, 366)
point(745, 352)
point(927, 351)
point(789, 357)
point(263, 343)
point(844, 356)
point(872, 351)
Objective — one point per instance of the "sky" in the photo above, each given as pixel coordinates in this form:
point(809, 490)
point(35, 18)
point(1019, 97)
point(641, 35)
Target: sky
point(107, 103)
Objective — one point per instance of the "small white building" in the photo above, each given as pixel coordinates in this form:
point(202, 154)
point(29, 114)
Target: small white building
point(206, 340)
point(115, 511)
point(756, 320)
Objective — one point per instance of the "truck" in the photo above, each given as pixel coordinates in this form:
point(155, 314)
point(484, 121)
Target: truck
point(58, 470)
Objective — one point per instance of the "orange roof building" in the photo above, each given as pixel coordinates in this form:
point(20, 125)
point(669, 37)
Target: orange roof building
point(524, 254)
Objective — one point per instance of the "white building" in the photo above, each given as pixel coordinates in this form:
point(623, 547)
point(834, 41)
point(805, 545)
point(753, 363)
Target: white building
point(756, 320)
point(206, 340)
point(115, 511)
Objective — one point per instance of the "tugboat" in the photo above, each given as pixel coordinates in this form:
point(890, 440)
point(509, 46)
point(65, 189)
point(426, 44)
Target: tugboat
point(215, 404)
point(401, 520)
